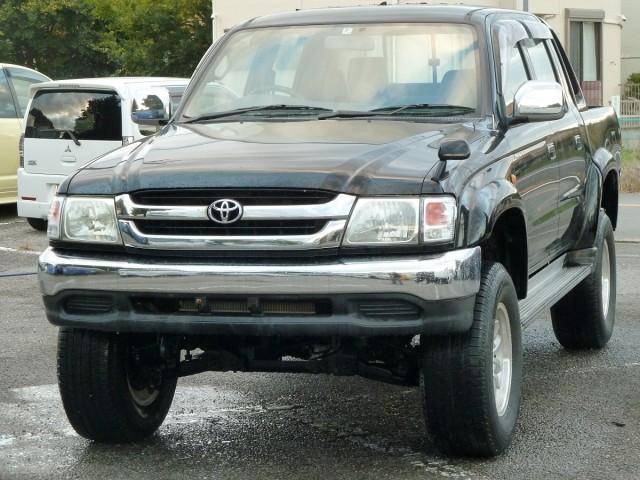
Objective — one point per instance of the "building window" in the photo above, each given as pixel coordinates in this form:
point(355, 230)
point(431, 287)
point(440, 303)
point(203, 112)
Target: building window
point(585, 51)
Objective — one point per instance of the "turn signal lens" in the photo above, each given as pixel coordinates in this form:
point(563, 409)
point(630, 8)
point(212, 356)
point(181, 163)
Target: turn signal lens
point(439, 219)
point(53, 223)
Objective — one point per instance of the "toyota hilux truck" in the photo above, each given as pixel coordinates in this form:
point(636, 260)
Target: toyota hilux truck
point(394, 192)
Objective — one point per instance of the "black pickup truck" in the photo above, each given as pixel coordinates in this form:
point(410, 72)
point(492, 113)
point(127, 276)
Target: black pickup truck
point(394, 192)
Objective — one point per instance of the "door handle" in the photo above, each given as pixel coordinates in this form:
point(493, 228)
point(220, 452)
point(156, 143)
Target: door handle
point(578, 141)
point(551, 150)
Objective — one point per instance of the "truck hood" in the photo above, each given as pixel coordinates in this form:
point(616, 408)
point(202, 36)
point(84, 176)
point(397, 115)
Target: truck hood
point(352, 156)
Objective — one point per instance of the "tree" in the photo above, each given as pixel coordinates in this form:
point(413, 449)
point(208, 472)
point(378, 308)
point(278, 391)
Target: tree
point(61, 38)
point(90, 38)
point(151, 37)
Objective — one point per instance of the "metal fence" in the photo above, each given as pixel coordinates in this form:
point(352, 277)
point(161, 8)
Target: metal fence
point(630, 105)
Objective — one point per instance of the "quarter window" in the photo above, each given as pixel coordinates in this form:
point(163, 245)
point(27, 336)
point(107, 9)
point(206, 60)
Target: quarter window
point(516, 76)
point(22, 79)
point(7, 107)
point(541, 63)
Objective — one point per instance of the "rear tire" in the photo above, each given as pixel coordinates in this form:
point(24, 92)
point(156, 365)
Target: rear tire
point(470, 403)
point(38, 224)
point(585, 317)
point(106, 397)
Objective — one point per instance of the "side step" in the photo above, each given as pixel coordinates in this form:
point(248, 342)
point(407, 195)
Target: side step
point(553, 282)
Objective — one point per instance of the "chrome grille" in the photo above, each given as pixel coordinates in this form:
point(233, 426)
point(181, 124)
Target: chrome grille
point(182, 223)
point(248, 227)
point(258, 196)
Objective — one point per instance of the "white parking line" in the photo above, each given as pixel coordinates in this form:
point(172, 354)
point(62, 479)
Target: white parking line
point(15, 250)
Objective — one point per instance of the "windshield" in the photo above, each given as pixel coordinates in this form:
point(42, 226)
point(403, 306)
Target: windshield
point(357, 68)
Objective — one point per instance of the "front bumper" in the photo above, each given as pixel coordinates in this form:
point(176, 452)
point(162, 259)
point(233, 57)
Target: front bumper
point(442, 286)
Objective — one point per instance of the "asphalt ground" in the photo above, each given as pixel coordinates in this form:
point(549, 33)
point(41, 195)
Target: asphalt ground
point(580, 416)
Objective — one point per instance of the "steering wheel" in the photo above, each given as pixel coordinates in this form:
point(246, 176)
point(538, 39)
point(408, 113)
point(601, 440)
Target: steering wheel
point(273, 88)
point(226, 90)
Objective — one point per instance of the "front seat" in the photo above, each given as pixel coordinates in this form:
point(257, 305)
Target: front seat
point(458, 87)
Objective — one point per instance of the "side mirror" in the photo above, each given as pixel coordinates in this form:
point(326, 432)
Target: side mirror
point(151, 107)
point(454, 150)
point(537, 101)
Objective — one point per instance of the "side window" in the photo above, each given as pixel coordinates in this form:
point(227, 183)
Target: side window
point(541, 63)
point(570, 76)
point(7, 107)
point(22, 79)
point(516, 76)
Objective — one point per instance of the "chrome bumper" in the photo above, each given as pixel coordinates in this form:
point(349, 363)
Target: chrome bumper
point(446, 276)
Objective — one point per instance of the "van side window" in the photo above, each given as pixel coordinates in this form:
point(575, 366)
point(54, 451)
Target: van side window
point(21, 80)
point(7, 107)
point(63, 114)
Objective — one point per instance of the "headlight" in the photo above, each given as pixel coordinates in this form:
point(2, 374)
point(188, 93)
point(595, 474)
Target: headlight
point(377, 221)
point(89, 219)
point(399, 221)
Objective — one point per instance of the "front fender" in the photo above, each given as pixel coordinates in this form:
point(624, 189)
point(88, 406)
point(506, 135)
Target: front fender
point(482, 203)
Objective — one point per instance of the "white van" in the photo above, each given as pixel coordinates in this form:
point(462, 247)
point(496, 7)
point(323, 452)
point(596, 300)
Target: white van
point(68, 123)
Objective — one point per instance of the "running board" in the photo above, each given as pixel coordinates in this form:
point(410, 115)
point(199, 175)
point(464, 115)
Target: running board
point(552, 283)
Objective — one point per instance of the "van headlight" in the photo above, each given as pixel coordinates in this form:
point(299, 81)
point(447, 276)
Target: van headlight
point(402, 221)
point(85, 219)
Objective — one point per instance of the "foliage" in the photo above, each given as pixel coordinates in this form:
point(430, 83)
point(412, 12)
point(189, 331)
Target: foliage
point(634, 78)
point(88, 38)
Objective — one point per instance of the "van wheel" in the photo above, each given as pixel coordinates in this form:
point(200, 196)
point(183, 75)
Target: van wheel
point(470, 383)
point(38, 224)
point(585, 317)
point(107, 394)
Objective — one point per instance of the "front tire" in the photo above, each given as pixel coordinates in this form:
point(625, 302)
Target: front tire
point(471, 382)
point(107, 396)
point(585, 317)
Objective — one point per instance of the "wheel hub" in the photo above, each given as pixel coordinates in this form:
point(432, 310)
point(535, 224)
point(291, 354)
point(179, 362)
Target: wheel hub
point(502, 358)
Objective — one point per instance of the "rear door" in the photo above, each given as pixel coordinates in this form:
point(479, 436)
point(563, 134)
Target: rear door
point(67, 128)
point(566, 144)
point(10, 130)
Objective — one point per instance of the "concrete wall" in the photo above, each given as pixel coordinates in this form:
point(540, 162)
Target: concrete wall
point(232, 12)
point(631, 38)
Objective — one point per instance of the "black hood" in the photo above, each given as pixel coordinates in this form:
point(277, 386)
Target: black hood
point(352, 156)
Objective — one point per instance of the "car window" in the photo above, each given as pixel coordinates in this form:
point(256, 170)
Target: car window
point(516, 76)
point(7, 108)
point(87, 115)
point(541, 63)
point(21, 80)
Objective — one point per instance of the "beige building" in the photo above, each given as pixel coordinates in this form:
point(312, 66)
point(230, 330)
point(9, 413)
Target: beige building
point(590, 30)
point(631, 38)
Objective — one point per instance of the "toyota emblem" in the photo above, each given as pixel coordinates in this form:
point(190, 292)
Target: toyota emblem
point(225, 211)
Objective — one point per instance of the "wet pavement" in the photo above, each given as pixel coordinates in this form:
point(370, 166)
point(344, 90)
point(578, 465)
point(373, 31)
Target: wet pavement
point(580, 416)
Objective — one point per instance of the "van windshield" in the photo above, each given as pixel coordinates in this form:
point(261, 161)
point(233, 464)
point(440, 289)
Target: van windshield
point(355, 68)
point(75, 115)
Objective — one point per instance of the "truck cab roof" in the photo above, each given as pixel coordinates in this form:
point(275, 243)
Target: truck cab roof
point(382, 14)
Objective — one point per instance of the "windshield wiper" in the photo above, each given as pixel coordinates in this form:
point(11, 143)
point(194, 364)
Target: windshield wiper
point(241, 111)
point(348, 114)
point(450, 109)
point(72, 135)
